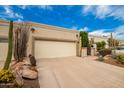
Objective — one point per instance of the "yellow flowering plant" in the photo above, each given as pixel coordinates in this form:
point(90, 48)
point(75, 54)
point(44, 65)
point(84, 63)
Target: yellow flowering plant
point(6, 76)
point(120, 58)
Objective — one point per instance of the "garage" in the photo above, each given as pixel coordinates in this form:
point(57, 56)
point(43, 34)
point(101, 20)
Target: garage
point(53, 49)
point(45, 41)
point(3, 49)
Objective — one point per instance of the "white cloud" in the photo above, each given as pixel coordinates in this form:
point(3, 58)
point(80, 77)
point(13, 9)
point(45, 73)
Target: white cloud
point(118, 32)
point(23, 6)
point(84, 29)
point(87, 9)
point(9, 13)
point(105, 11)
point(18, 16)
point(100, 32)
point(74, 28)
point(46, 7)
point(19, 20)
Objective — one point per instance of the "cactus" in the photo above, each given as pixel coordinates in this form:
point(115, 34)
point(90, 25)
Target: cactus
point(21, 36)
point(10, 46)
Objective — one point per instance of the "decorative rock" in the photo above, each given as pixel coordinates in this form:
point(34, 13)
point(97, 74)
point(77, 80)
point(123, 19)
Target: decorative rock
point(29, 74)
point(23, 69)
point(26, 66)
point(33, 68)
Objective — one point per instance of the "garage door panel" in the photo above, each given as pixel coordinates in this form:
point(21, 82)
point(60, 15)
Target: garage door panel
point(52, 49)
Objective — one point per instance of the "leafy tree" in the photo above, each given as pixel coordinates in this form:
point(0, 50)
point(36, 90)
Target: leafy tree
point(101, 45)
point(84, 39)
point(10, 46)
point(112, 42)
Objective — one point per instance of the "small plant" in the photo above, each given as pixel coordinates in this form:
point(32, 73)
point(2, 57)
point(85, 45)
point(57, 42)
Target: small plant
point(104, 52)
point(120, 58)
point(100, 45)
point(6, 76)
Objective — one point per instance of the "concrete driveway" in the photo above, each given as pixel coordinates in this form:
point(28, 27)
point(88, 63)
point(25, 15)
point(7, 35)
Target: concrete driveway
point(77, 72)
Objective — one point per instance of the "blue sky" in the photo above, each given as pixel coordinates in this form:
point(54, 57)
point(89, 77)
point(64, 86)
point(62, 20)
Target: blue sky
point(97, 20)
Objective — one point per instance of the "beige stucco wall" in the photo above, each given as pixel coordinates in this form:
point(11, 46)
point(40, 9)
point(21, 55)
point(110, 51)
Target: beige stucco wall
point(4, 27)
point(3, 50)
point(46, 31)
point(84, 52)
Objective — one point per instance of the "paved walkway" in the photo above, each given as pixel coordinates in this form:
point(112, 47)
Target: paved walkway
point(77, 72)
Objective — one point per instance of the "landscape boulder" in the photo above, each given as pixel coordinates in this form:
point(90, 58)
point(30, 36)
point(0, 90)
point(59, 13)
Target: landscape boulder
point(29, 74)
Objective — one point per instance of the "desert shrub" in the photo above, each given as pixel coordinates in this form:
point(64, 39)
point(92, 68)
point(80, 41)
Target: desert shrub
point(104, 52)
point(120, 58)
point(100, 45)
point(6, 76)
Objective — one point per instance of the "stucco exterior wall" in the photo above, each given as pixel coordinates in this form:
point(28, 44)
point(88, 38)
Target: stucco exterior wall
point(46, 31)
point(4, 27)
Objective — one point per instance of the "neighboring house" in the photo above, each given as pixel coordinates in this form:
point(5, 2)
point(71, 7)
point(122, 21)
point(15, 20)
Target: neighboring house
point(104, 38)
point(99, 39)
point(118, 50)
point(45, 42)
point(121, 42)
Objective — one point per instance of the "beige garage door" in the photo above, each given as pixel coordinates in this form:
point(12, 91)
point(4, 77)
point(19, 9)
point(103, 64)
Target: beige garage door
point(3, 50)
point(53, 49)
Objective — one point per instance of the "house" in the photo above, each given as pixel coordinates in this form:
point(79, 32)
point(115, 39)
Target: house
point(99, 39)
point(45, 41)
point(121, 43)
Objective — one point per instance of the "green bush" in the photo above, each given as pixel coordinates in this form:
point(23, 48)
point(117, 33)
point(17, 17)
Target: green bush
point(120, 58)
point(6, 76)
point(100, 45)
point(104, 52)
point(84, 39)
